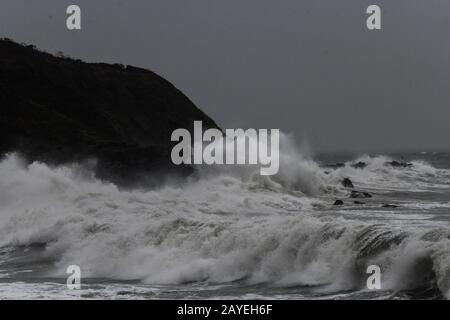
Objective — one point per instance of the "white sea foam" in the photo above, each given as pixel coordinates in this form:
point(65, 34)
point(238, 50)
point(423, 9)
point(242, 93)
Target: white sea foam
point(379, 176)
point(223, 227)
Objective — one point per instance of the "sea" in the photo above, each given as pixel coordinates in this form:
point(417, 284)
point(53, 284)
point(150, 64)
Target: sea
point(230, 233)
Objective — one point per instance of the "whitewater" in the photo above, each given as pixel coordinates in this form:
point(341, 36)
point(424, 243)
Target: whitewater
point(227, 232)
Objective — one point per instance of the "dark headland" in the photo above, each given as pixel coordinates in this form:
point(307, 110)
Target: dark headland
point(59, 110)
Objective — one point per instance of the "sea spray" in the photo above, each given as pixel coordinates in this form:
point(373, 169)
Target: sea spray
point(220, 228)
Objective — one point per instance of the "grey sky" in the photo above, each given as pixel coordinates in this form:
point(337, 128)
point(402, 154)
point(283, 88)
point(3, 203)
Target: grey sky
point(309, 67)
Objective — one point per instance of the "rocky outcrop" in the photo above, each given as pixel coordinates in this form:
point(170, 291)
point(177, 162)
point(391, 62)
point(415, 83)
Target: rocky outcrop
point(359, 165)
point(333, 165)
point(347, 183)
point(399, 164)
point(358, 194)
point(60, 110)
point(392, 206)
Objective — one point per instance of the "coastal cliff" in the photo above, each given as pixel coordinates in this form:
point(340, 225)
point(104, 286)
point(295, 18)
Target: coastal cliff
point(61, 110)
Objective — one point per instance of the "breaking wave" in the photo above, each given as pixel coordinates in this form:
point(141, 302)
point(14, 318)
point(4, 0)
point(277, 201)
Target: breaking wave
point(225, 226)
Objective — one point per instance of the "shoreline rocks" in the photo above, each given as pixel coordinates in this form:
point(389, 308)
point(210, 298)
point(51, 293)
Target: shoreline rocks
point(399, 164)
point(347, 183)
point(393, 206)
point(359, 165)
point(359, 194)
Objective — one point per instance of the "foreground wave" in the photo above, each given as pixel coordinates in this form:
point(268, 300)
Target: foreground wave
point(227, 227)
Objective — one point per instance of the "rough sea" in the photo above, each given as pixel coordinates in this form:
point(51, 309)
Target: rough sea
point(230, 233)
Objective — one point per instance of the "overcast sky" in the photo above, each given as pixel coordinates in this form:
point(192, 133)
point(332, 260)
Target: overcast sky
point(309, 67)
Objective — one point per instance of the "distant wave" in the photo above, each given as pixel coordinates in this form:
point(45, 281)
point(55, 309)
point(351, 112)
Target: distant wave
point(420, 176)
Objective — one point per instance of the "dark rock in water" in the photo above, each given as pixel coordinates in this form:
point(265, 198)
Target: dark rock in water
point(333, 165)
point(399, 164)
point(359, 165)
point(338, 203)
point(358, 202)
point(60, 110)
point(347, 183)
point(359, 194)
point(389, 206)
